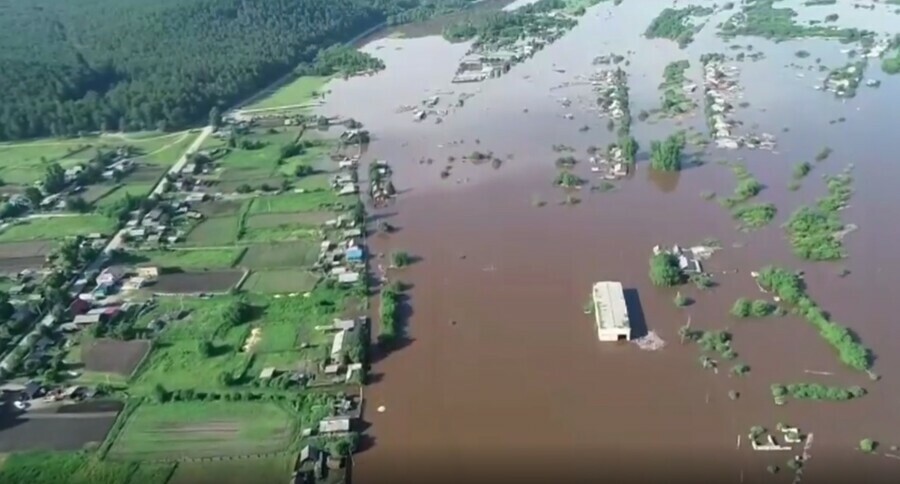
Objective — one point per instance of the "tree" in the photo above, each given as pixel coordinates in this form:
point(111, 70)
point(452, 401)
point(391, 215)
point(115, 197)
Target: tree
point(54, 179)
point(666, 155)
point(34, 196)
point(680, 301)
point(303, 170)
point(77, 204)
point(629, 148)
point(664, 270)
point(244, 188)
point(205, 348)
point(215, 117)
point(160, 394)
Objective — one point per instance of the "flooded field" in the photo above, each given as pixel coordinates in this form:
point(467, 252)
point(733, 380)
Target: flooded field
point(502, 375)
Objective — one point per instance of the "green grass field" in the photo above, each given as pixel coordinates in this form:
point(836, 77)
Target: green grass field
point(204, 429)
point(169, 154)
point(248, 165)
point(24, 163)
point(299, 91)
point(295, 202)
point(122, 191)
point(216, 231)
point(276, 256)
point(189, 258)
point(58, 228)
point(283, 281)
point(263, 470)
point(78, 468)
point(176, 362)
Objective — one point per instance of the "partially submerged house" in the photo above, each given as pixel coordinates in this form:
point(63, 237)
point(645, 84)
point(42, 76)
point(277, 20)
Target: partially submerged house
point(610, 311)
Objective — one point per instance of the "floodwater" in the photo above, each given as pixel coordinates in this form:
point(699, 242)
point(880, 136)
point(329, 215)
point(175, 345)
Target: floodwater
point(502, 376)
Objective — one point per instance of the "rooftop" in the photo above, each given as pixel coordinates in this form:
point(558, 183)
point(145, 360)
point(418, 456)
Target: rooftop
point(610, 310)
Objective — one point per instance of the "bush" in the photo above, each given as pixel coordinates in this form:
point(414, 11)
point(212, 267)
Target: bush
point(740, 369)
point(679, 300)
point(868, 445)
point(400, 259)
point(741, 308)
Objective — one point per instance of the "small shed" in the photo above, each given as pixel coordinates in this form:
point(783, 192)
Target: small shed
point(331, 425)
point(267, 373)
point(348, 278)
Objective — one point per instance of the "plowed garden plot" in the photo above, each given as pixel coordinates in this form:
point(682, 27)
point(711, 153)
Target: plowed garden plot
point(194, 282)
point(19, 434)
point(269, 220)
point(114, 356)
point(300, 253)
point(220, 208)
point(31, 248)
point(280, 281)
point(204, 429)
point(18, 264)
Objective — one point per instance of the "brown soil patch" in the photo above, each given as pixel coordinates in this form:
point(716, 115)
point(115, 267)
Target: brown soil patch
point(194, 282)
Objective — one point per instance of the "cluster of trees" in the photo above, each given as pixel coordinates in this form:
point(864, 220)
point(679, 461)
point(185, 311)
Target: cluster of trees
point(816, 391)
point(664, 270)
point(675, 24)
point(340, 60)
point(629, 147)
point(790, 288)
point(755, 215)
point(761, 19)
point(390, 313)
point(71, 67)
point(401, 259)
point(73, 253)
point(567, 179)
point(812, 230)
point(760, 308)
point(666, 155)
point(747, 187)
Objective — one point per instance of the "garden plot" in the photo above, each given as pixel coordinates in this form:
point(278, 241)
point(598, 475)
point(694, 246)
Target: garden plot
point(204, 429)
point(220, 208)
point(17, 256)
point(274, 220)
point(297, 202)
point(185, 259)
point(240, 471)
point(280, 281)
point(301, 253)
point(216, 231)
point(114, 356)
point(196, 282)
point(55, 228)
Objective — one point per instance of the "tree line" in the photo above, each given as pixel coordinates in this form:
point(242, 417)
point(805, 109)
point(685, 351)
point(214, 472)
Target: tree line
point(72, 67)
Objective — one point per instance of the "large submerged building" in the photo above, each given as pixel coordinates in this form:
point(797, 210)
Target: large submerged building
point(610, 312)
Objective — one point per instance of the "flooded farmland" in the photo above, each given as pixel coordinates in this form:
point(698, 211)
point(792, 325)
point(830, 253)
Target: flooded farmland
point(502, 375)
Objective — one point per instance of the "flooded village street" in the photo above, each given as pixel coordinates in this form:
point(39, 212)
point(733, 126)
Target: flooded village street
point(501, 374)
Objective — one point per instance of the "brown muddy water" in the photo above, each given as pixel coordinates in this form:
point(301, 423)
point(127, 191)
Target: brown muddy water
point(519, 388)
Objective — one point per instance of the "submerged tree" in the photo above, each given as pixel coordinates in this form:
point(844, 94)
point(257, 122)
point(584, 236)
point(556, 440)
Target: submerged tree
point(666, 155)
point(664, 270)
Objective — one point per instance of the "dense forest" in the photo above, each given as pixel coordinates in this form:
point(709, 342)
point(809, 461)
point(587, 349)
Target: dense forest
point(69, 66)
